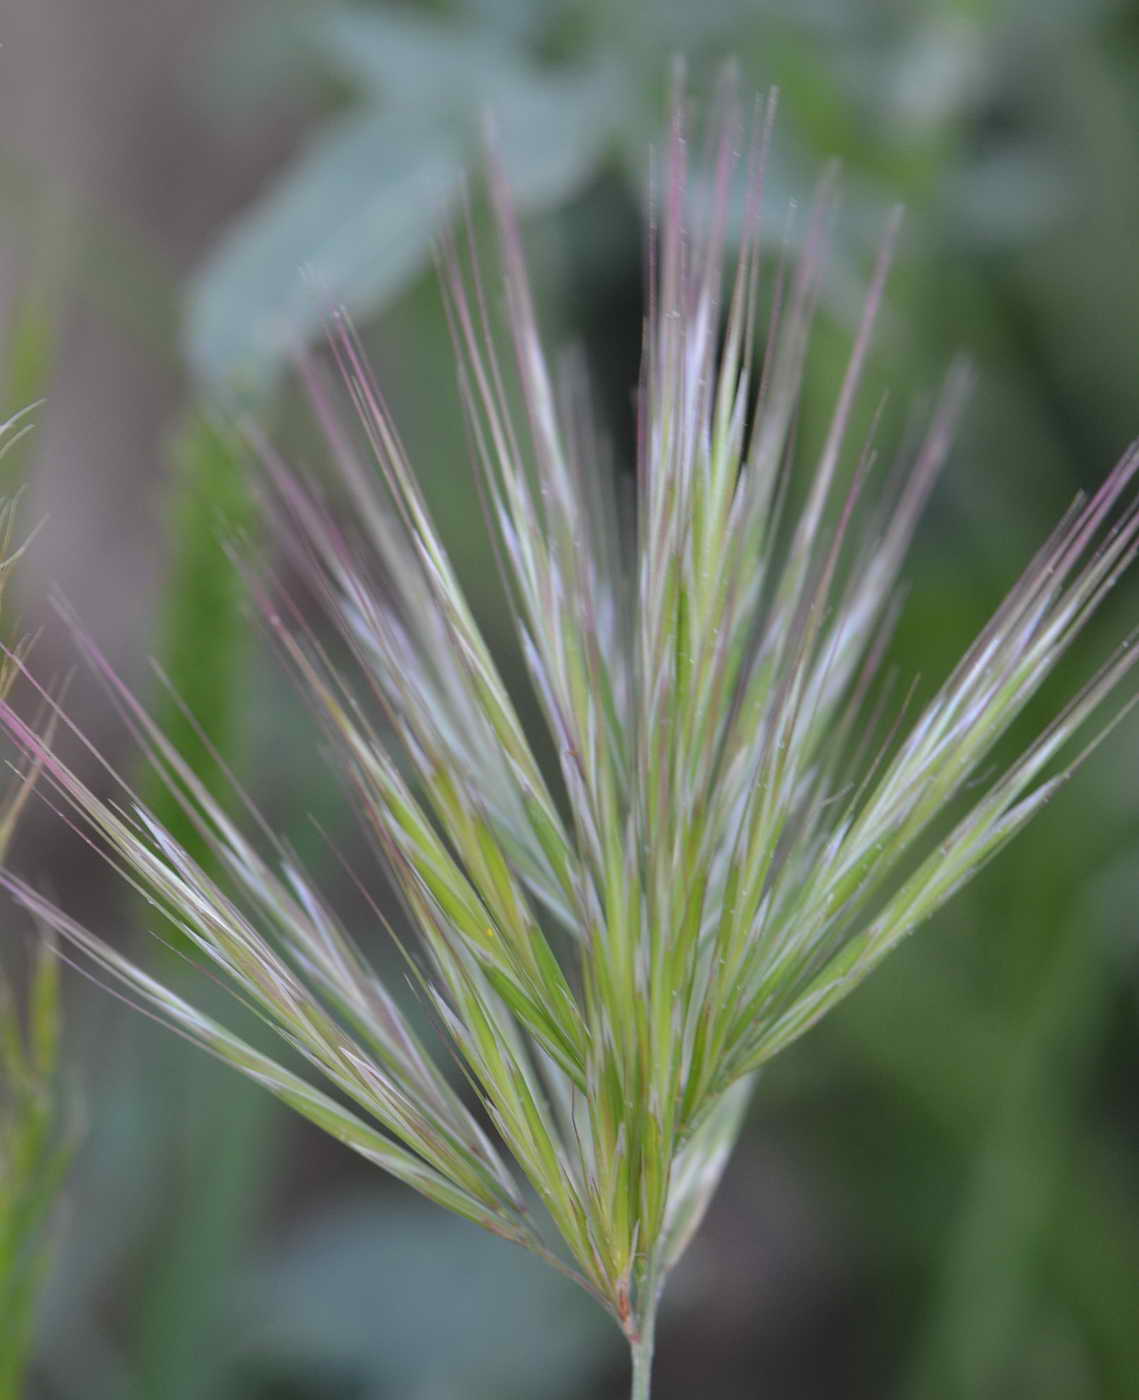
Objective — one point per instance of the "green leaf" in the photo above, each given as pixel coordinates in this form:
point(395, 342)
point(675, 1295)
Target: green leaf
point(408, 59)
point(552, 122)
point(34, 1154)
point(352, 223)
point(202, 645)
point(359, 1289)
point(551, 131)
point(25, 373)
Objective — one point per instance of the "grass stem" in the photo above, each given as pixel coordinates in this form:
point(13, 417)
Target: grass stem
point(642, 1347)
point(642, 1350)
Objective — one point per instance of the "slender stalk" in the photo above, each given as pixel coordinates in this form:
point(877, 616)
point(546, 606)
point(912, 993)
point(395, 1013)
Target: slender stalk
point(642, 1347)
point(642, 1352)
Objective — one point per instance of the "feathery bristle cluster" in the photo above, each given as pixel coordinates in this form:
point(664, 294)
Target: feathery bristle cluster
point(725, 851)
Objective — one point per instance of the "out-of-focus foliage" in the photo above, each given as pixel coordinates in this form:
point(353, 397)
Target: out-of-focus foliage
point(204, 664)
point(33, 1157)
point(311, 1306)
point(575, 88)
point(28, 355)
point(202, 646)
point(72, 249)
point(360, 211)
point(33, 1154)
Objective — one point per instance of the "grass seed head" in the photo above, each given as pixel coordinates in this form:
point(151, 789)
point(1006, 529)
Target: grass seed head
point(737, 831)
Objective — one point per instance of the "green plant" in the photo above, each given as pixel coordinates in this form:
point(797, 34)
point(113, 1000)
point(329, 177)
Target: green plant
point(32, 1152)
point(733, 837)
point(33, 1158)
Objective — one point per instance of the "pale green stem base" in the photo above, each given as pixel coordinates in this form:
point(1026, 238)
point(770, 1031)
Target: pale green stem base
point(642, 1367)
point(642, 1353)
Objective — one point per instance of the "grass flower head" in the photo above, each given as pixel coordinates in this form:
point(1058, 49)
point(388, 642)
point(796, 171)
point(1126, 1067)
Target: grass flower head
point(742, 821)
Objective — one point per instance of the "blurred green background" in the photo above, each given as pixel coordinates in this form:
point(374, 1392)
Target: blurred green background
point(937, 1194)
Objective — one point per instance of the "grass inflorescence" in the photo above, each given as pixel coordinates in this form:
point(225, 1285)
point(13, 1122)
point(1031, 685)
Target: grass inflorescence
point(745, 818)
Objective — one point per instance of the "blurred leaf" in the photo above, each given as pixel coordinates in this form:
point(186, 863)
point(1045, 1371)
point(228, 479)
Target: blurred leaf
point(34, 1155)
point(217, 1181)
point(28, 360)
point(359, 1291)
point(412, 60)
point(203, 629)
point(223, 1157)
point(516, 18)
point(901, 1025)
point(167, 1193)
point(984, 1328)
point(1091, 1258)
point(90, 252)
point(1009, 194)
point(357, 216)
point(552, 132)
